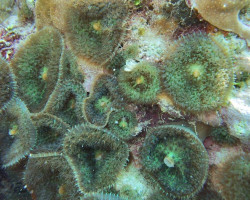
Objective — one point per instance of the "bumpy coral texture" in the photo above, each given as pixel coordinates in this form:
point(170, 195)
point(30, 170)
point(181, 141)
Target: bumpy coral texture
point(234, 178)
point(199, 74)
point(176, 159)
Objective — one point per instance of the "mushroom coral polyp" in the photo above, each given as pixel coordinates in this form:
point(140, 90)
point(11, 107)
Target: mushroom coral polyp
point(176, 159)
point(198, 75)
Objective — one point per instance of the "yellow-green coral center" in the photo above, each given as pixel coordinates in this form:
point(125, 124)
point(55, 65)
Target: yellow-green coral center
point(123, 123)
point(103, 104)
point(140, 80)
point(71, 103)
point(97, 26)
point(13, 130)
point(44, 73)
point(196, 70)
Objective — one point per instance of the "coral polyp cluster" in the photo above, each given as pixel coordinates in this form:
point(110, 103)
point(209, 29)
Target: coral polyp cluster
point(123, 100)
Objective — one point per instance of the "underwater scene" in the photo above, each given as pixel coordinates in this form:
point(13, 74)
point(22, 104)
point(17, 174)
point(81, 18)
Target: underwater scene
point(124, 100)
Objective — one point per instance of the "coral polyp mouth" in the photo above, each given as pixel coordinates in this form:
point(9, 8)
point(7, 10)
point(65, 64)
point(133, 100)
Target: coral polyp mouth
point(169, 161)
point(196, 71)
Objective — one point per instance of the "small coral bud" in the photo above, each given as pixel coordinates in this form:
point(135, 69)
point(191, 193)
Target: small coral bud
point(62, 190)
point(140, 84)
point(98, 155)
point(196, 70)
point(141, 31)
point(123, 123)
point(196, 73)
point(140, 80)
point(72, 103)
point(14, 130)
point(97, 26)
point(44, 74)
point(103, 104)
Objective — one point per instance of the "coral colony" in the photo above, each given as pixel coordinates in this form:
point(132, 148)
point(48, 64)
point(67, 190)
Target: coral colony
point(124, 100)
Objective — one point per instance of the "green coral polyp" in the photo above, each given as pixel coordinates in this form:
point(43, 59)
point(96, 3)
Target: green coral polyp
point(141, 84)
point(50, 131)
point(222, 136)
point(95, 156)
point(199, 75)
point(7, 85)
point(94, 29)
point(104, 98)
point(54, 175)
point(122, 123)
point(17, 124)
point(103, 104)
point(37, 67)
point(175, 158)
point(66, 101)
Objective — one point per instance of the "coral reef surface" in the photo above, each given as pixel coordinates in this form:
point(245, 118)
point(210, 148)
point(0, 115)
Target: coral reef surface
point(124, 99)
